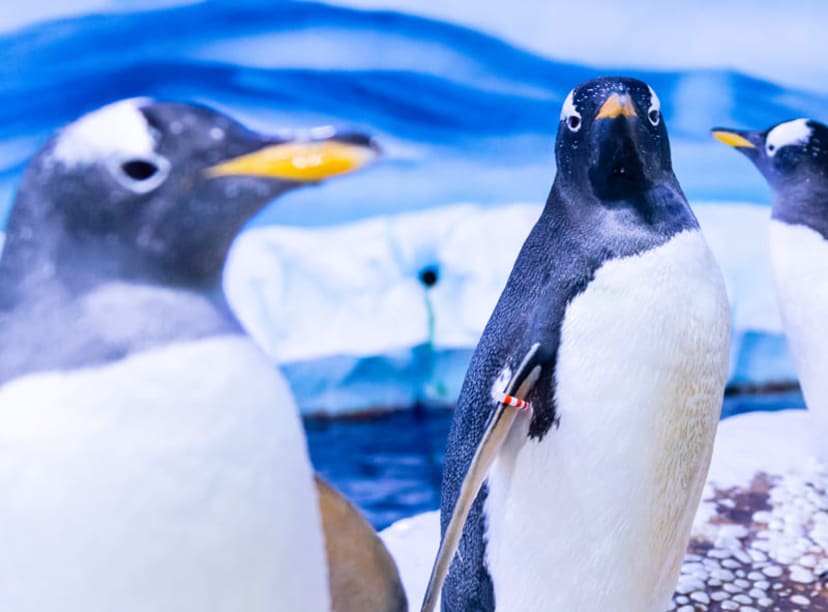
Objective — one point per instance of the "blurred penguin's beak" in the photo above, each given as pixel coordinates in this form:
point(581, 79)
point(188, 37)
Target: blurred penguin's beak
point(617, 105)
point(735, 138)
point(302, 161)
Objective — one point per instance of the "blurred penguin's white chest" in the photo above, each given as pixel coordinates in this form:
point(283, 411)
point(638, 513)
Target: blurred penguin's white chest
point(800, 262)
point(176, 479)
point(596, 515)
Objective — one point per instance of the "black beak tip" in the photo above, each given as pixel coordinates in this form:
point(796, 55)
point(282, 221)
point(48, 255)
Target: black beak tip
point(357, 139)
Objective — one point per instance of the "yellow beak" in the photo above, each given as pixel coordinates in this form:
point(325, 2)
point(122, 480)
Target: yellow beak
point(733, 139)
point(617, 105)
point(303, 162)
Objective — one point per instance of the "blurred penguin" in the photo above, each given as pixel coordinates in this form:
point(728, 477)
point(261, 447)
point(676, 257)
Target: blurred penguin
point(151, 458)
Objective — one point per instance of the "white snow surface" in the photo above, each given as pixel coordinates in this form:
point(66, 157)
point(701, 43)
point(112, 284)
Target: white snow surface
point(741, 451)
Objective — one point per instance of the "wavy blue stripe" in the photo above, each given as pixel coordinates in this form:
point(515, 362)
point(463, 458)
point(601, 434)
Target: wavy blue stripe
point(466, 102)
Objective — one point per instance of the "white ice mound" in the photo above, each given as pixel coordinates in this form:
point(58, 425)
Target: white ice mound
point(354, 289)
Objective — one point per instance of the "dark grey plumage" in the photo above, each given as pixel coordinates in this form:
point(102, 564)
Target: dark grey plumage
point(614, 195)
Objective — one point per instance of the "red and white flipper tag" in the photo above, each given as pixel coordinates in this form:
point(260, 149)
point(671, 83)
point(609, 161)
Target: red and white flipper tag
point(514, 402)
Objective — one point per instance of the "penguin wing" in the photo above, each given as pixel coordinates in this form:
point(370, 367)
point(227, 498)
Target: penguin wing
point(361, 572)
point(487, 450)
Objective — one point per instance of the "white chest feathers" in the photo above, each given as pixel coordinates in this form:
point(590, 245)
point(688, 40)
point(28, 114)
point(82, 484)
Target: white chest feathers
point(174, 480)
point(800, 264)
point(596, 516)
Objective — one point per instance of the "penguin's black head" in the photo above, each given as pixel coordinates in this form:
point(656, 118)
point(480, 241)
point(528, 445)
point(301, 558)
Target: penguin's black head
point(164, 187)
point(790, 155)
point(612, 139)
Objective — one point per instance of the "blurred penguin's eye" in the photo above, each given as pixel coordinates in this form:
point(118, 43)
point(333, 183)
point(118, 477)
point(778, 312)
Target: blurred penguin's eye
point(142, 175)
point(138, 169)
point(771, 148)
point(573, 122)
point(654, 116)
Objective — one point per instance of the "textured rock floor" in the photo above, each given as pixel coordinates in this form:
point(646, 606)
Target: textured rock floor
point(760, 546)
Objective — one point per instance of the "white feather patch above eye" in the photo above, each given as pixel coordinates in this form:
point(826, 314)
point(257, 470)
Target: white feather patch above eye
point(116, 131)
point(568, 109)
point(655, 103)
point(791, 132)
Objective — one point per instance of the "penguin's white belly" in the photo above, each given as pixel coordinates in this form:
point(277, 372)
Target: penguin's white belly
point(800, 262)
point(596, 515)
point(174, 480)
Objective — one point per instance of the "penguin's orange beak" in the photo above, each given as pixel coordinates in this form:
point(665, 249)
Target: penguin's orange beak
point(301, 161)
point(617, 105)
point(732, 138)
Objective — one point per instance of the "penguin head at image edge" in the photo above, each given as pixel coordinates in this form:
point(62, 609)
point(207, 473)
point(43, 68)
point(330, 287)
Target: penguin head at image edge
point(791, 155)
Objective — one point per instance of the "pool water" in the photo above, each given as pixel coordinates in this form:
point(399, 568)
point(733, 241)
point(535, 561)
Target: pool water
point(390, 465)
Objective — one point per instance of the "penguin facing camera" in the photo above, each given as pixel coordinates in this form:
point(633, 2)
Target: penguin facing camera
point(585, 426)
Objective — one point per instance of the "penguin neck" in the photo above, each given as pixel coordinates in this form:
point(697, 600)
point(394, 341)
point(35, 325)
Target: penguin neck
point(89, 295)
point(42, 253)
point(805, 203)
point(650, 216)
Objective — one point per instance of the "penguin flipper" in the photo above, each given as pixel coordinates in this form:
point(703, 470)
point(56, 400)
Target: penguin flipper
point(361, 572)
point(487, 450)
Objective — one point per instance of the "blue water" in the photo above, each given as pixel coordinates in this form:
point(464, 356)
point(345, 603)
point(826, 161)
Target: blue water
point(390, 465)
point(449, 103)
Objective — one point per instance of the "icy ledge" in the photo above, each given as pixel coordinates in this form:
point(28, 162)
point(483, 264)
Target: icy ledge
point(760, 538)
point(345, 311)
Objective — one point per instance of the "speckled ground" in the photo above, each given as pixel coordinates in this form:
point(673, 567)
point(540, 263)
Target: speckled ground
point(760, 546)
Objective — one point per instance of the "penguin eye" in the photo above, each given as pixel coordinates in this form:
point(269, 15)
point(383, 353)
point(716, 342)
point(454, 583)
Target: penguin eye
point(573, 122)
point(771, 149)
point(139, 169)
point(141, 175)
point(654, 112)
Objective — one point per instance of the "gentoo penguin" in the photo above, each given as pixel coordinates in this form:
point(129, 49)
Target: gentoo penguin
point(793, 158)
point(609, 349)
point(151, 458)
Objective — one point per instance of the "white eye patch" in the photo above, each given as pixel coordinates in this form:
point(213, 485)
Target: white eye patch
point(655, 103)
point(115, 132)
point(654, 112)
point(791, 132)
point(569, 114)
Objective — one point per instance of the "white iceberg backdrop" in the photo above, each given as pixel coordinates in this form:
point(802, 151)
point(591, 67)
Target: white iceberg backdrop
point(464, 98)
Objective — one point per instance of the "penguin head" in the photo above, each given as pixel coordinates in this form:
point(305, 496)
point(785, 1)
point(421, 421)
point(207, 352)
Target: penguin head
point(790, 155)
point(165, 187)
point(612, 139)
